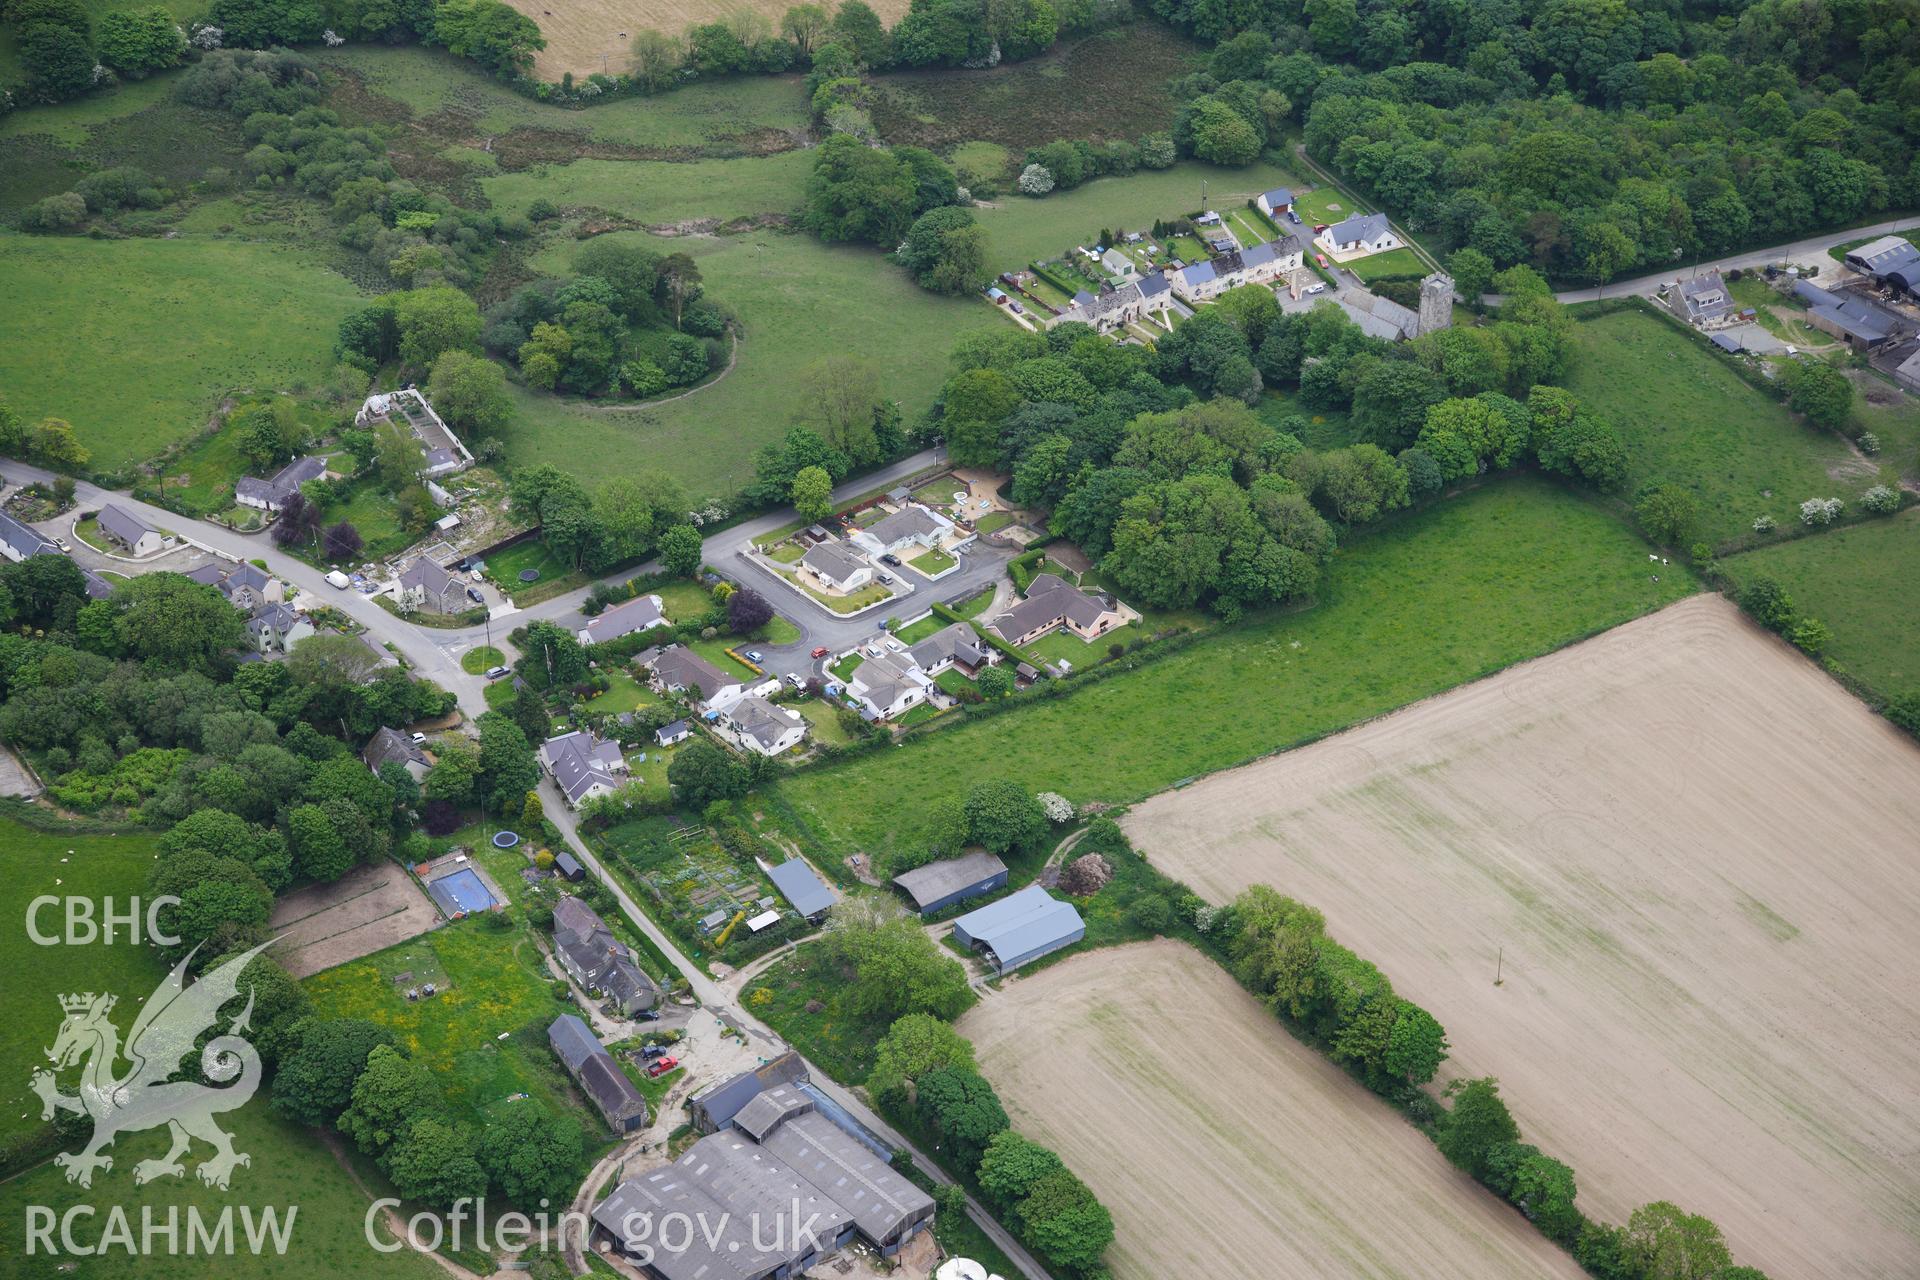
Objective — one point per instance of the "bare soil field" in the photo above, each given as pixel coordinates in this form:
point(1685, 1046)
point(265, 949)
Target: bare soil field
point(585, 36)
point(1693, 855)
point(367, 910)
point(1171, 1090)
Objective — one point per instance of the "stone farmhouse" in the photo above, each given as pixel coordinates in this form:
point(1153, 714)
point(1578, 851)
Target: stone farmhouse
point(390, 746)
point(1358, 236)
point(1116, 306)
point(642, 613)
point(271, 495)
point(1053, 602)
point(1262, 263)
point(835, 567)
point(598, 961)
point(766, 728)
point(583, 765)
point(441, 450)
point(130, 532)
point(426, 586)
point(599, 1076)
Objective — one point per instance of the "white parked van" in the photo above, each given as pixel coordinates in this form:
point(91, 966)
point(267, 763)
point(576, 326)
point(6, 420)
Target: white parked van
point(338, 580)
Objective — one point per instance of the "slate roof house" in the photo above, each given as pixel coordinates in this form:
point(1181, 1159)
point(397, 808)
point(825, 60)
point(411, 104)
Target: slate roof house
point(1275, 203)
point(680, 670)
point(1256, 264)
point(1891, 260)
point(1020, 928)
point(1053, 602)
point(271, 494)
point(889, 685)
point(390, 746)
point(836, 567)
point(668, 734)
point(19, 541)
point(642, 613)
point(909, 529)
point(1361, 234)
point(426, 586)
point(1704, 302)
point(958, 645)
point(583, 765)
point(98, 588)
point(1379, 317)
point(130, 531)
point(275, 628)
point(600, 1078)
point(246, 586)
point(939, 885)
point(1116, 306)
point(802, 888)
point(597, 960)
point(764, 727)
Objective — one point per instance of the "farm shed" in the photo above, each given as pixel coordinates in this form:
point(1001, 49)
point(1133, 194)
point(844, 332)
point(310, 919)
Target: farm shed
point(601, 1079)
point(568, 865)
point(1021, 928)
point(805, 890)
point(939, 885)
point(714, 1107)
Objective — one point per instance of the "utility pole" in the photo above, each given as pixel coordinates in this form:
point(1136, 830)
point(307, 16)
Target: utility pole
point(1498, 961)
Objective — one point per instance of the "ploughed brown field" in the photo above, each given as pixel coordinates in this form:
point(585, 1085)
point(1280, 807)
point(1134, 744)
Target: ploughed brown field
point(585, 36)
point(1223, 1146)
point(1695, 860)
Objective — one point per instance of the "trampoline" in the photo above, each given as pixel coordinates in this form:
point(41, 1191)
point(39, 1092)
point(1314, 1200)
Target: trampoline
point(461, 891)
point(506, 839)
point(529, 575)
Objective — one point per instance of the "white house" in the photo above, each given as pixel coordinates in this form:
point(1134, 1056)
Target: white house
point(642, 613)
point(20, 541)
point(681, 670)
point(131, 532)
point(889, 685)
point(958, 645)
point(1257, 264)
point(909, 530)
point(836, 566)
point(1358, 236)
point(270, 495)
point(1115, 307)
point(583, 765)
point(762, 726)
point(668, 735)
point(1276, 203)
point(275, 628)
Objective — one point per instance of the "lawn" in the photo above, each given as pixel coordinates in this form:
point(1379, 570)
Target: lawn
point(921, 630)
point(1324, 429)
point(1022, 230)
point(974, 606)
point(1322, 205)
point(851, 603)
point(368, 507)
point(1863, 581)
point(1063, 645)
point(836, 1040)
point(786, 553)
point(843, 670)
point(932, 561)
point(134, 341)
point(1434, 598)
point(479, 658)
point(1394, 262)
point(1247, 227)
point(777, 631)
point(624, 694)
point(823, 721)
point(684, 601)
point(505, 567)
point(1689, 419)
point(715, 651)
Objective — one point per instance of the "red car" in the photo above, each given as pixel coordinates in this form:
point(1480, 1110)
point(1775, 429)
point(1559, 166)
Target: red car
point(821, 652)
point(661, 1067)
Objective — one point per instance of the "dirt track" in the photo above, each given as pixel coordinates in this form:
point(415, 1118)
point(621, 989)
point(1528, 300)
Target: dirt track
point(1224, 1147)
point(1699, 856)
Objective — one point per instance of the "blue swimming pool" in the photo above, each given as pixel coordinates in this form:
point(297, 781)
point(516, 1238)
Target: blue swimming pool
point(460, 891)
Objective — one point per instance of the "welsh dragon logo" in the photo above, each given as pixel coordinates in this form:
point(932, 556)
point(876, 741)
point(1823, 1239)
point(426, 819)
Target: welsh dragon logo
point(147, 1095)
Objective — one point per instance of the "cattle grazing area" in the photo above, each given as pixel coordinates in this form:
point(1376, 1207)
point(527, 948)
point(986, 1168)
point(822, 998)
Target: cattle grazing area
point(1689, 853)
point(1172, 1091)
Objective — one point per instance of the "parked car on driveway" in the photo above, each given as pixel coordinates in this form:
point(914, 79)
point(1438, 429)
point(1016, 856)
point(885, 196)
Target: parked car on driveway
point(797, 680)
point(1316, 288)
point(887, 578)
point(661, 1067)
point(494, 673)
point(890, 558)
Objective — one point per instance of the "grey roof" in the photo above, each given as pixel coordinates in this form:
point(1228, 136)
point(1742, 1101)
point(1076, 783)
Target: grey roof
point(725, 1183)
point(1705, 296)
point(911, 521)
point(956, 643)
point(429, 577)
point(1197, 274)
point(832, 560)
point(765, 722)
point(1094, 305)
point(390, 746)
point(1259, 255)
point(581, 936)
point(637, 614)
point(1081, 298)
point(1049, 598)
point(207, 575)
point(572, 1041)
point(283, 482)
point(722, 1100)
point(580, 760)
point(942, 879)
point(1021, 925)
point(834, 1162)
point(804, 889)
point(1888, 255)
point(1727, 342)
point(1279, 195)
point(673, 730)
point(682, 668)
point(98, 588)
point(568, 864)
point(122, 525)
point(1153, 284)
point(1361, 226)
point(883, 680)
point(244, 575)
point(1378, 317)
point(275, 619)
point(24, 539)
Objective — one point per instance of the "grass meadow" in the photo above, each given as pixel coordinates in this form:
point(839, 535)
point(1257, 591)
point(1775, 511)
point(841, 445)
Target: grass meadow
point(1689, 419)
point(1863, 581)
point(1430, 600)
point(135, 341)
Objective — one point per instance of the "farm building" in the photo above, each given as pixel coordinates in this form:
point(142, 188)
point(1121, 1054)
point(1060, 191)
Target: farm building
point(803, 888)
point(1891, 260)
point(642, 613)
point(1859, 322)
point(939, 885)
point(129, 531)
point(1020, 928)
point(600, 1077)
point(714, 1107)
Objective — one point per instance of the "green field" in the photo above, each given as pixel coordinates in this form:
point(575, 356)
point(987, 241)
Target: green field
point(135, 341)
point(1689, 419)
point(1425, 602)
point(1863, 581)
point(660, 191)
point(1394, 262)
point(1323, 205)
